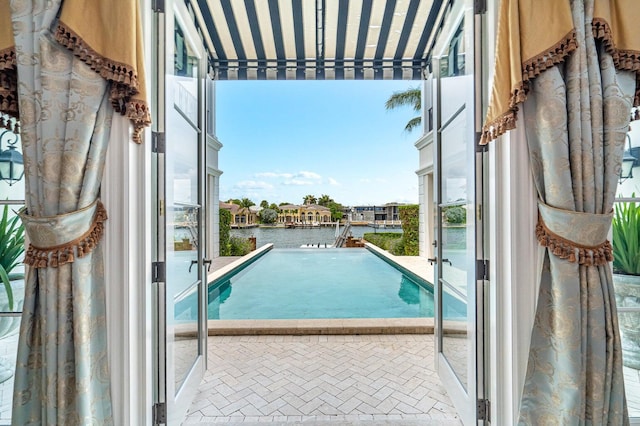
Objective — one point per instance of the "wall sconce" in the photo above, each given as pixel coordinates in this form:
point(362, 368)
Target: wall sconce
point(11, 161)
point(628, 161)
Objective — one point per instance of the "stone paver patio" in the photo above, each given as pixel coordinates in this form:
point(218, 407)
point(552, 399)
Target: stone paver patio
point(316, 379)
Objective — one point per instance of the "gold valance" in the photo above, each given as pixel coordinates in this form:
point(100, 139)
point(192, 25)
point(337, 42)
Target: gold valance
point(534, 35)
point(107, 36)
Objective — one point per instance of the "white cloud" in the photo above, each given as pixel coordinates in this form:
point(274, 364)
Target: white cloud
point(365, 180)
point(297, 182)
point(273, 175)
point(333, 182)
point(252, 184)
point(308, 175)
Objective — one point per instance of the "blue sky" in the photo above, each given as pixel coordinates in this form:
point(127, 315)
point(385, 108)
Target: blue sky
point(286, 139)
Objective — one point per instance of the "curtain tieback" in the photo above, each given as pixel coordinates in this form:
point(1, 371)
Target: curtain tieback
point(575, 236)
point(57, 240)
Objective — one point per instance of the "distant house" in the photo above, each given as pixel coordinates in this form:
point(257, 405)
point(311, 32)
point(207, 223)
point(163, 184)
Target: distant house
point(368, 213)
point(392, 212)
point(384, 212)
point(289, 213)
point(241, 216)
point(315, 213)
point(307, 213)
point(232, 208)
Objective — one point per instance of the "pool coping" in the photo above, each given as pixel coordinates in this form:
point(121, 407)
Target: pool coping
point(342, 326)
point(321, 326)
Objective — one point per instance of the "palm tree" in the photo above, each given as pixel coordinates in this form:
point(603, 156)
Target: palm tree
point(245, 203)
point(411, 97)
point(324, 200)
point(310, 199)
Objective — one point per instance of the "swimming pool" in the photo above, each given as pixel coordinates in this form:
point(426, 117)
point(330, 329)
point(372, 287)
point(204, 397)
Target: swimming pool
point(334, 283)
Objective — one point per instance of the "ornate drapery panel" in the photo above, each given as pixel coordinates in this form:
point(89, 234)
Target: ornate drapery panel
point(575, 77)
point(63, 74)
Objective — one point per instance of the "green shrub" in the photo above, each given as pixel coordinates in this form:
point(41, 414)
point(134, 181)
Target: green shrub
point(239, 246)
point(410, 217)
point(225, 230)
point(384, 240)
point(398, 247)
point(455, 214)
point(268, 216)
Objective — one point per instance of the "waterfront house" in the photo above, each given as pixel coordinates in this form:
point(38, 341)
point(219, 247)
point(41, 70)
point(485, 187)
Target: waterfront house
point(289, 213)
point(304, 214)
point(313, 213)
point(241, 216)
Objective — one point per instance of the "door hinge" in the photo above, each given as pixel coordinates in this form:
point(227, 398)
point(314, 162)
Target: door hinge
point(480, 148)
point(482, 269)
point(159, 413)
point(480, 7)
point(157, 6)
point(158, 142)
point(158, 272)
point(484, 410)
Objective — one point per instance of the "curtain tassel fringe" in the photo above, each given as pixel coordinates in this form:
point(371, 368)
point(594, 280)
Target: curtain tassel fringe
point(565, 249)
point(40, 257)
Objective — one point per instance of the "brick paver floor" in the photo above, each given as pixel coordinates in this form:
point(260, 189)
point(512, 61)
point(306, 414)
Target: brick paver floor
point(345, 380)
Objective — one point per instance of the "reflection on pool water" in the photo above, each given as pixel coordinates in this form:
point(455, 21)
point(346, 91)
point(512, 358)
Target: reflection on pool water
point(334, 283)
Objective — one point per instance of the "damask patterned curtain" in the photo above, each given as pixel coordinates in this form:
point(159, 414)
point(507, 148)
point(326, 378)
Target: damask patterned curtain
point(573, 67)
point(63, 73)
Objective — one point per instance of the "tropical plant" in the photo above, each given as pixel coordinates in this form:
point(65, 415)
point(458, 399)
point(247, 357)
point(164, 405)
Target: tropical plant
point(324, 200)
point(239, 246)
point(11, 248)
point(626, 238)
point(268, 215)
point(264, 204)
point(246, 203)
point(384, 240)
point(410, 215)
point(310, 199)
point(411, 97)
point(336, 210)
point(225, 231)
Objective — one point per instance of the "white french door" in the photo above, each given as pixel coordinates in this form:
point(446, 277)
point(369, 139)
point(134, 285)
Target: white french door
point(179, 276)
point(458, 196)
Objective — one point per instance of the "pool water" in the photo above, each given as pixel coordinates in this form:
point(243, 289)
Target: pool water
point(333, 283)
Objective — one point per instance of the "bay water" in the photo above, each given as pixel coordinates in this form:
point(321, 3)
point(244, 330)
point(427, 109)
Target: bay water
point(296, 237)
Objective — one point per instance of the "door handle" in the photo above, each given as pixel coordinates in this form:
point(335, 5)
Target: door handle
point(193, 262)
point(433, 260)
point(208, 263)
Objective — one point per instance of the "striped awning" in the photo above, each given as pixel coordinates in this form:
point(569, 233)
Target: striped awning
point(317, 39)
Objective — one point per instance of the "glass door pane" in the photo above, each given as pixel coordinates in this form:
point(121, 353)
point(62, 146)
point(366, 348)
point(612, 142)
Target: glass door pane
point(181, 297)
point(459, 298)
point(456, 247)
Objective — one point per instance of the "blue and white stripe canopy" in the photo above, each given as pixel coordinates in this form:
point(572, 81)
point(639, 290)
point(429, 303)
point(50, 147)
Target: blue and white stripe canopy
point(317, 39)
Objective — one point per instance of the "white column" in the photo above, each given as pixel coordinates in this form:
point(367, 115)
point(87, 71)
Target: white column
point(126, 195)
point(213, 197)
